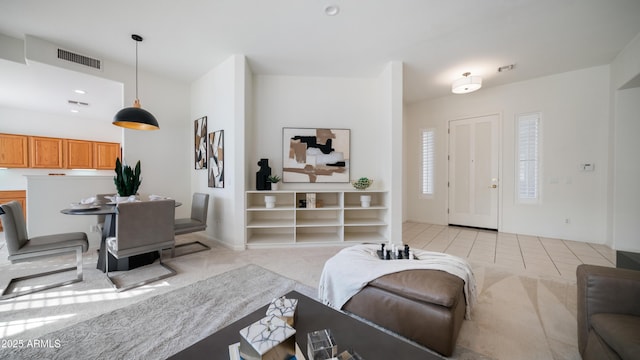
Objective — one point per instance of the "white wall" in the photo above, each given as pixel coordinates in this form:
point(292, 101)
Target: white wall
point(625, 197)
point(314, 102)
point(626, 219)
point(164, 153)
point(370, 107)
point(220, 96)
point(575, 113)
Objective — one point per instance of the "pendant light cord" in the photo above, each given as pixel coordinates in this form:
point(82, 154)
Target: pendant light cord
point(137, 69)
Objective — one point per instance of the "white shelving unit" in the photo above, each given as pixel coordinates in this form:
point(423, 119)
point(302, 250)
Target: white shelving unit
point(337, 218)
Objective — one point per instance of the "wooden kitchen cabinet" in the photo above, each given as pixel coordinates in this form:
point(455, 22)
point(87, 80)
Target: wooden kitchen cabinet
point(45, 152)
point(78, 154)
point(105, 154)
point(17, 195)
point(14, 151)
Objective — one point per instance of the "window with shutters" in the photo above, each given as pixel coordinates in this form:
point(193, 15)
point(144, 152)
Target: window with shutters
point(428, 138)
point(528, 145)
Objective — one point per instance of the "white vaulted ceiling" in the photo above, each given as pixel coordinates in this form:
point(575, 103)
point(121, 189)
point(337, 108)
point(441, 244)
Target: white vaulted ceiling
point(437, 40)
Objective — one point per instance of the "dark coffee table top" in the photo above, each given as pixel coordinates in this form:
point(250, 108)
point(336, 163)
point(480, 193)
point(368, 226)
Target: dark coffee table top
point(349, 333)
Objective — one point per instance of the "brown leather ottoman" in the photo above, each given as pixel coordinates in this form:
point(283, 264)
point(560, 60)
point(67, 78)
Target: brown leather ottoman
point(426, 306)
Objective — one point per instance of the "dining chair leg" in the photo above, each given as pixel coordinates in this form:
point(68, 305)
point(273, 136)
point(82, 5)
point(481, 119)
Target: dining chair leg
point(172, 272)
point(78, 250)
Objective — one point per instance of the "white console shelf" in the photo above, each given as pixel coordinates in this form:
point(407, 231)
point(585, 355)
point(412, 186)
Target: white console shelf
point(338, 218)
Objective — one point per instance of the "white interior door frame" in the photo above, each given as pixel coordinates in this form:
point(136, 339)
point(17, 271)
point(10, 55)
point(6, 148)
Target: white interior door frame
point(495, 177)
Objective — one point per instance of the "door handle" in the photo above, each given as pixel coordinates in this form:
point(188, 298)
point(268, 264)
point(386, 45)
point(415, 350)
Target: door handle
point(493, 186)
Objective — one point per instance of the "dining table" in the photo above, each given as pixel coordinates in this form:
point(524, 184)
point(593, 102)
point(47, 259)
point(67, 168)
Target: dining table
point(110, 212)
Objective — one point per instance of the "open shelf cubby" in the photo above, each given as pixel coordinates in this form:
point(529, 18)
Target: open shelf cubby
point(307, 217)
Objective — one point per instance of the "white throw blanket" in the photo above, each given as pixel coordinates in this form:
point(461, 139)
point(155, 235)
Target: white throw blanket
point(350, 270)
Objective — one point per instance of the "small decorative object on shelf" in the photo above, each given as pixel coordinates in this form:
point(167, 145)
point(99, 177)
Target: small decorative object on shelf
point(274, 180)
point(269, 338)
point(270, 201)
point(283, 308)
point(321, 345)
point(365, 201)
point(362, 184)
point(262, 175)
point(311, 200)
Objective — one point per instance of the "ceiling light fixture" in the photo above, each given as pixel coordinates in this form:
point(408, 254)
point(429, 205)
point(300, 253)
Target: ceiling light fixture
point(466, 84)
point(332, 10)
point(136, 117)
point(79, 91)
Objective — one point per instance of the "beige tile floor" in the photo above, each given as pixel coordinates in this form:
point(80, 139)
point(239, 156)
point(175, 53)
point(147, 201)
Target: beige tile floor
point(519, 253)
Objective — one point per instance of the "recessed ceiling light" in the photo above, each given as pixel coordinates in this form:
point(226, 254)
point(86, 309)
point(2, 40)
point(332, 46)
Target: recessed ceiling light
point(79, 91)
point(74, 111)
point(332, 10)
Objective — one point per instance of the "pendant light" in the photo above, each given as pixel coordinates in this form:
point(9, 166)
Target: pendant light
point(466, 84)
point(136, 117)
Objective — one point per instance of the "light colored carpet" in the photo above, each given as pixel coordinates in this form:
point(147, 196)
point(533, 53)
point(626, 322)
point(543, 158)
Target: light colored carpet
point(163, 325)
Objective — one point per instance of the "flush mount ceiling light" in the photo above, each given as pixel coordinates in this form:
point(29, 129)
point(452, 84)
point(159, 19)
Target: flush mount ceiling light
point(136, 117)
point(466, 84)
point(332, 10)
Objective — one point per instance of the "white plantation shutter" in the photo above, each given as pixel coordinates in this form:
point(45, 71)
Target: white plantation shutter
point(528, 157)
point(427, 161)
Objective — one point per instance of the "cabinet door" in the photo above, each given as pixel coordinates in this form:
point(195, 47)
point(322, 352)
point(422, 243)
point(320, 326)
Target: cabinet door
point(45, 153)
point(14, 151)
point(105, 155)
point(79, 154)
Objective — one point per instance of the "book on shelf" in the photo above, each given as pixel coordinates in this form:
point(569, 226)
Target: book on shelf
point(311, 200)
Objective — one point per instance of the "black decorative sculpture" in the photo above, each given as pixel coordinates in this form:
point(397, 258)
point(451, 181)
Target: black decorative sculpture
point(261, 176)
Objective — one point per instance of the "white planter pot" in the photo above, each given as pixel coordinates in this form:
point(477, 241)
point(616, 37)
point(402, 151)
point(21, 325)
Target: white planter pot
point(270, 201)
point(365, 201)
point(274, 186)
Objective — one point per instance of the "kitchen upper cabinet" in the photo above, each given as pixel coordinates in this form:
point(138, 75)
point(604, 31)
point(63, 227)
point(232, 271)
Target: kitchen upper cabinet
point(105, 154)
point(78, 154)
point(46, 153)
point(14, 151)
point(23, 151)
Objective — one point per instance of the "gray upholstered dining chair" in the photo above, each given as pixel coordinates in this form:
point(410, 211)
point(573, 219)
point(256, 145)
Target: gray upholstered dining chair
point(21, 248)
point(196, 222)
point(101, 199)
point(142, 227)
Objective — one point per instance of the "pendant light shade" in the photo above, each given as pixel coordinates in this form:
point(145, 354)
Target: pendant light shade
point(466, 84)
point(136, 117)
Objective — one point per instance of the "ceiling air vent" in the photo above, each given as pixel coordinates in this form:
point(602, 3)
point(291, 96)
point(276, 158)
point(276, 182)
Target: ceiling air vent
point(79, 59)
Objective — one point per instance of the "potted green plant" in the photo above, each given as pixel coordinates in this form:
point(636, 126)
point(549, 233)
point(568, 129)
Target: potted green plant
point(362, 184)
point(127, 180)
point(274, 180)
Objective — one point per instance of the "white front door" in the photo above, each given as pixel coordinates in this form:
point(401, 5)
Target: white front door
point(473, 172)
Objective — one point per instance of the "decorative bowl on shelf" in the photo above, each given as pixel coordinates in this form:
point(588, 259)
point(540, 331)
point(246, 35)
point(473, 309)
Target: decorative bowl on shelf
point(362, 184)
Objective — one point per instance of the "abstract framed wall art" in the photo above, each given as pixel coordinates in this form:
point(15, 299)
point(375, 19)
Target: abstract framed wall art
point(216, 159)
point(200, 133)
point(315, 155)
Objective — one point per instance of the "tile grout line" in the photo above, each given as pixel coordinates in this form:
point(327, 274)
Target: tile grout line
point(472, 244)
point(549, 255)
point(524, 263)
point(599, 253)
